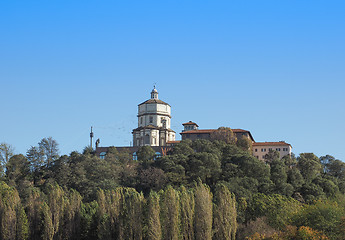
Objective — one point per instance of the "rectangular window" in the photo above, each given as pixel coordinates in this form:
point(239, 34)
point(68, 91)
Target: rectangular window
point(151, 119)
point(270, 149)
point(141, 120)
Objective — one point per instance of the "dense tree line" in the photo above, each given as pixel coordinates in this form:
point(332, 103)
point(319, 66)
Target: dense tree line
point(200, 190)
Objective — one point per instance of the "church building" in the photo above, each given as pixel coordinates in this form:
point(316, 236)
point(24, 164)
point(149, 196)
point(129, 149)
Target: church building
point(154, 119)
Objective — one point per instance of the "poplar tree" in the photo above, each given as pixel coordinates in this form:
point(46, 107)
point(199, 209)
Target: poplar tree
point(13, 220)
point(131, 214)
point(225, 224)
point(187, 213)
point(71, 223)
point(56, 203)
point(47, 223)
point(33, 210)
point(203, 212)
point(103, 224)
point(154, 224)
point(170, 213)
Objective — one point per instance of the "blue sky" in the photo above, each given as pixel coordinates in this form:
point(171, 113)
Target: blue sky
point(276, 68)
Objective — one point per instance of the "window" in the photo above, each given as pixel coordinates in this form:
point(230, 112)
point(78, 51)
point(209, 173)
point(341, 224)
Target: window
point(151, 119)
point(263, 149)
point(256, 149)
point(277, 149)
point(147, 139)
point(135, 157)
point(285, 149)
point(270, 149)
point(157, 155)
point(141, 120)
point(102, 155)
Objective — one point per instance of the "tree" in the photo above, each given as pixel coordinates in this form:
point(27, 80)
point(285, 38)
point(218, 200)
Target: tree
point(187, 209)
point(333, 167)
point(49, 148)
point(271, 156)
point(225, 224)
point(309, 165)
point(13, 220)
point(224, 134)
point(17, 168)
point(6, 152)
point(324, 216)
point(35, 157)
point(170, 213)
point(203, 212)
point(204, 165)
point(154, 223)
point(245, 143)
point(146, 155)
point(151, 179)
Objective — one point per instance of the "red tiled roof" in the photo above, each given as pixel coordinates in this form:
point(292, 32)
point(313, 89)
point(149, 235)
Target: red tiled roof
point(190, 123)
point(212, 130)
point(282, 143)
point(199, 131)
point(172, 142)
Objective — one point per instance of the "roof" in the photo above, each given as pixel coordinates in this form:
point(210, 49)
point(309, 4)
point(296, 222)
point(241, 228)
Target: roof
point(281, 143)
point(190, 123)
point(154, 100)
point(213, 130)
point(205, 131)
point(199, 131)
point(152, 127)
point(173, 142)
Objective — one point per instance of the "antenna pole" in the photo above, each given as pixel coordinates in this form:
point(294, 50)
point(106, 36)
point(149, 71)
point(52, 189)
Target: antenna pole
point(91, 136)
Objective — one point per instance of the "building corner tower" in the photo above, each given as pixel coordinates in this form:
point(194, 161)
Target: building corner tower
point(154, 119)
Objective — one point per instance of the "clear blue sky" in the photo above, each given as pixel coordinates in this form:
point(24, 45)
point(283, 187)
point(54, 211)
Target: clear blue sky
point(276, 68)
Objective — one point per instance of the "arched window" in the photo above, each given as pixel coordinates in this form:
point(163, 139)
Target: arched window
point(147, 139)
point(135, 157)
point(102, 155)
point(157, 155)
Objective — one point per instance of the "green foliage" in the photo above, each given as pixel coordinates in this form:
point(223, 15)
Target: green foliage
point(225, 224)
point(6, 152)
point(278, 209)
point(170, 213)
point(203, 212)
point(13, 220)
point(325, 216)
point(244, 143)
point(146, 155)
point(224, 134)
point(17, 169)
point(309, 165)
point(154, 223)
point(187, 210)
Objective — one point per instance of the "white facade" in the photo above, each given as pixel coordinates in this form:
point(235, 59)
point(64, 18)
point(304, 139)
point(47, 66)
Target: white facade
point(260, 149)
point(154, 121)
